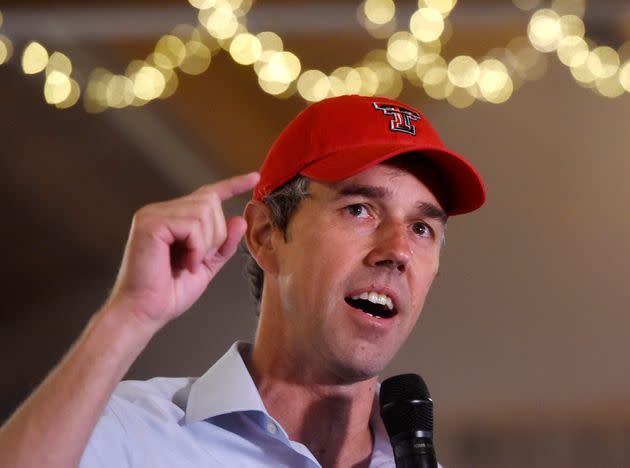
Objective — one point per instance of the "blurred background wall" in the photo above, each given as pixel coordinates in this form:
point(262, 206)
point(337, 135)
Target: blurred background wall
point(522, 341)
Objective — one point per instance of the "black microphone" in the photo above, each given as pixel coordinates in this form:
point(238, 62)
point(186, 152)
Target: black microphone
point(407, 412)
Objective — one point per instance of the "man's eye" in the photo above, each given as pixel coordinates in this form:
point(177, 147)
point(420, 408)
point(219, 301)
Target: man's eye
point(423, 230)
point(357, 210)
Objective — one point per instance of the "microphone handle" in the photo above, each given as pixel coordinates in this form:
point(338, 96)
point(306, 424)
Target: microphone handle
point(415, 452)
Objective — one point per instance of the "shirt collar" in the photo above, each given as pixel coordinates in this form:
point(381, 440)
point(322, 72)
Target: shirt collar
point(226, 387)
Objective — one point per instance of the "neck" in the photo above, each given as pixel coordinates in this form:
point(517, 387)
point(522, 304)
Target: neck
point(332, 418)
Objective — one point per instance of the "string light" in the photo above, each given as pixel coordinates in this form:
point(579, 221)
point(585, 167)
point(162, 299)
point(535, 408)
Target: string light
point(379, 12)
point(60, 89)
point(34, 58)
point(561, 30)
point(313, 85)
point(246, 49)
point(6, 47)
point(413, 54)
point(402, 51)
point(463, 71)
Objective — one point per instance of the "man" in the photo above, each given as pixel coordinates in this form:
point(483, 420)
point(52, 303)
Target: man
point(345, 227)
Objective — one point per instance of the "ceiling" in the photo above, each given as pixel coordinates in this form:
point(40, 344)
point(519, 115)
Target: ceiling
point(70, 180)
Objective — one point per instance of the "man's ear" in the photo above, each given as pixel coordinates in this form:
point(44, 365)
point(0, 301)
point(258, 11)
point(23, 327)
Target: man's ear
point(259, 235)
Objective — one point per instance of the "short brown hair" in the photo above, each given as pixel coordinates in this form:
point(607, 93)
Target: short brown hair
point(283, 203)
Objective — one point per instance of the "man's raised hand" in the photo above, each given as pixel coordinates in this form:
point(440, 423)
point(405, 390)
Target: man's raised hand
point(174, 250)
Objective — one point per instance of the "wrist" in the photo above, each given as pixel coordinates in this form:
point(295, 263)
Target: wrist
point(125, 325)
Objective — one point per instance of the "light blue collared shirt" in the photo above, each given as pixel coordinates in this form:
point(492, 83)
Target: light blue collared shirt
point(216, 420)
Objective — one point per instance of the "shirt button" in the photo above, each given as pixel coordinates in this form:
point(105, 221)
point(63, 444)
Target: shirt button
point(272, 428)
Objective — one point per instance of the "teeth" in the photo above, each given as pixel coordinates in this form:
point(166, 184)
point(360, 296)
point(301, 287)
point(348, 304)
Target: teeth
point(376, 298)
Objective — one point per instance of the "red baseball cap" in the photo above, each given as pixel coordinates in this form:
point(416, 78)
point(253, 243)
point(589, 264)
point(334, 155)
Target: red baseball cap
point(341, 136)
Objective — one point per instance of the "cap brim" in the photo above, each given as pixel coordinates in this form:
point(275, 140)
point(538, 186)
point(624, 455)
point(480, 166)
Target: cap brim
point(464, 186)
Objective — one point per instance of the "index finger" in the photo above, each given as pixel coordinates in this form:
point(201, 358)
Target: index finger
point(235, 185)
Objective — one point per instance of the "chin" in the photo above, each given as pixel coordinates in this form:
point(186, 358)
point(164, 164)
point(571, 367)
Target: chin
point(358, 361)
point(360, 370)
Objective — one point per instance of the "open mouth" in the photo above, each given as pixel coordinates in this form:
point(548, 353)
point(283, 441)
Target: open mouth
point(376, 305)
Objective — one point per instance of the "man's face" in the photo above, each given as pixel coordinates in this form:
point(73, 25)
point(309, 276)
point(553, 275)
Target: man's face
point(355, 269)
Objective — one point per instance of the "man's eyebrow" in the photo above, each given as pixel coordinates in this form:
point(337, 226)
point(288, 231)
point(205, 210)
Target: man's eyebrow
point(425, 210)
point(429, 210)
point(368, 191)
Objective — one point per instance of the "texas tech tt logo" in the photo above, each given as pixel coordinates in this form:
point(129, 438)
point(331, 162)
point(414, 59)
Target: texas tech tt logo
point(402, 119)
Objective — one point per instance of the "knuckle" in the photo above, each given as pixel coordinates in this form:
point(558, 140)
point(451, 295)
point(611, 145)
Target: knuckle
point(220, 233)
point(139, 213)
point(198, 222)
point(142, 215)
point(206, 190)
point(212, 198)
point(207, 197)
point(148, 209)
point(148, 218)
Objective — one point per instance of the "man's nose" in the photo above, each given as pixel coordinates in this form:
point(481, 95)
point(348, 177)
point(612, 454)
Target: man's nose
point(391, 248)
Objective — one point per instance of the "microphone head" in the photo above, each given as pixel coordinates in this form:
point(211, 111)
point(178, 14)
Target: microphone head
point(406, 405)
